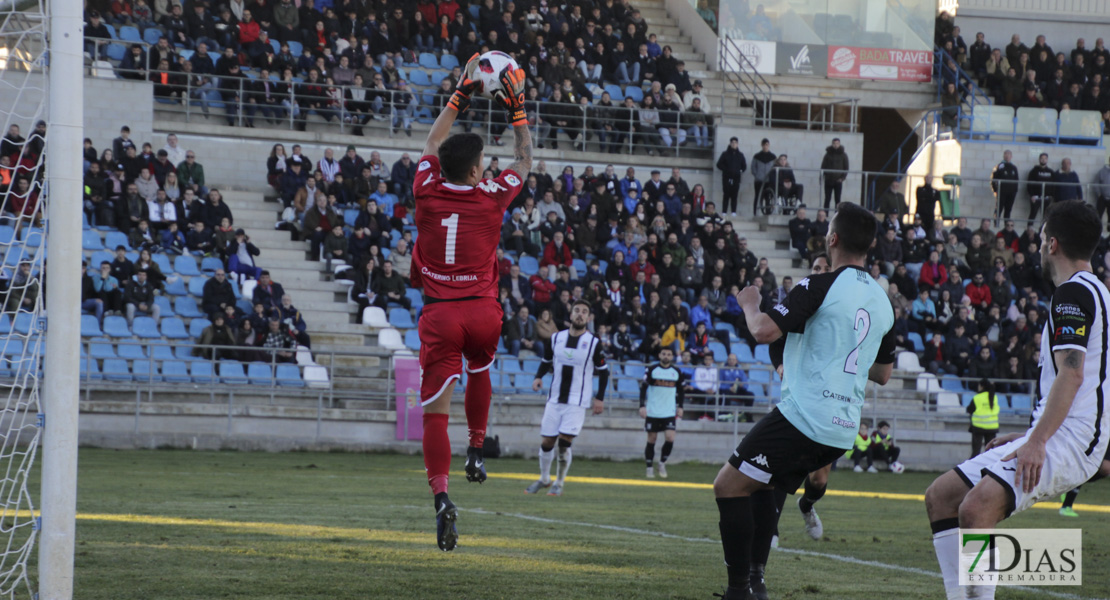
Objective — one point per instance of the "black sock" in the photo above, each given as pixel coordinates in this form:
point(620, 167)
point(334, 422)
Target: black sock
point(811, 496)
point(944, 524)
point(440, 498)
point(649, 453)
point(667, 446)
point(764, 516)
point(736, 538)
point(1069, 498)
point(780, 501)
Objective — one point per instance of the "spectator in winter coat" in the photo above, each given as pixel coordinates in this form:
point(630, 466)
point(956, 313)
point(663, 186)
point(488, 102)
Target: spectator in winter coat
point(1069, 188)
point(268, 293)
point(979, 293)
point(834, 169)
point(933, 273)
point(240, 256)
point(558, 254)
point(218, 294)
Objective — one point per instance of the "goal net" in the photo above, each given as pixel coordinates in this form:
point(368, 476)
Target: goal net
point(23, 104)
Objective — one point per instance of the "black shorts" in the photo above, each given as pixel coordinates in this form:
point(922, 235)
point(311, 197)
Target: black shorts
point(655, 424)
point(775, 451)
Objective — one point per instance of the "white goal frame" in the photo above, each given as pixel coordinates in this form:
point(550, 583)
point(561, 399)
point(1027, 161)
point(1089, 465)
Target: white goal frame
point(60, 395)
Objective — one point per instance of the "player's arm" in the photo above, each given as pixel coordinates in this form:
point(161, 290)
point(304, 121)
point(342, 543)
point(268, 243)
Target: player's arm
point(456, 105)
point(644, 384)
point(547, 365)
point(791, 314)
point(1073, 308)
point(679, 393)
point(883, 366)
point(512, 81)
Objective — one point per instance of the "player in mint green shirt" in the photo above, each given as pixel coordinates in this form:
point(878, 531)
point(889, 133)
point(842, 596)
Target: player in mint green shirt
point(838, 328)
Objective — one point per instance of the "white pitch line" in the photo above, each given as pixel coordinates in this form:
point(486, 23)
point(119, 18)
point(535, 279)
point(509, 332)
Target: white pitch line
point(837, 557)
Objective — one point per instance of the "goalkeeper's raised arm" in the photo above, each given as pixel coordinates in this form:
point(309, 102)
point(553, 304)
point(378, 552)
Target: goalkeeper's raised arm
point(511, 98)
point(457, 105)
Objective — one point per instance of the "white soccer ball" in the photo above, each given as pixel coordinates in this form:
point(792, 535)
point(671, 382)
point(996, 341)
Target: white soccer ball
point(489, 70)
point(897, 467)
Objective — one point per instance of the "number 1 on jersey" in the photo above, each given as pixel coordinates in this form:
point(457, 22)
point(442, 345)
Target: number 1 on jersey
point(452, 225)
point(862, 325)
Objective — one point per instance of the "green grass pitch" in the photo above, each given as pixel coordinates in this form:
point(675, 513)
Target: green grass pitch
point(181, 525)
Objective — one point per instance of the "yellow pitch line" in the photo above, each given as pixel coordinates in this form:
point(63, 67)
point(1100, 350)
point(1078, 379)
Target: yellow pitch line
point(684, 485)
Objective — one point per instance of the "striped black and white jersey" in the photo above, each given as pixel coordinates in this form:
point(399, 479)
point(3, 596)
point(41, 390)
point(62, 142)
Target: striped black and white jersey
point(573, 360)
point(1078, 321)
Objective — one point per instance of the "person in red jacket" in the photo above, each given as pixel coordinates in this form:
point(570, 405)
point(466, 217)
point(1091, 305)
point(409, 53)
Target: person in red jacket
point(979, 293)
point(542, 289)
point(933, 274)
point(642, 264)
point(557, 254)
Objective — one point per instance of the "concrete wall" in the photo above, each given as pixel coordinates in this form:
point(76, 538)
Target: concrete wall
point(701, 34)
point(805, 150)
point(109, 104)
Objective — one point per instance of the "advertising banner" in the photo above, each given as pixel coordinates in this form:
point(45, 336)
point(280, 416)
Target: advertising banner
point(850, 62)
point(410, 415)
point(760, 54)
point(809, 60)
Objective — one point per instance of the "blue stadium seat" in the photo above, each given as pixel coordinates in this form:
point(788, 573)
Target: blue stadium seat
point(743, 353)
point(918, 345)
point(722, 326)
point(5, 324)
point(720, 354)
point(23, 323)
point(12, 347)
point(152, 34)
point(163, 263)
point(145, 371)
point(1020, 403)
point(501, 349)
point(400, 318)
point(174, 329)
point(759, 375)
point(162, 351)
point(259, 374)
point(510, 365)
point(350, 216)
point(428, 60)
point(634, 369)
point(115, 52)
point(412, 339)
point(186, 306)
point(196, 286)
point(176, 287)
point(201, 371)
point(101, 350)
point(184, 352)
point(530, 365)
point(163, 302)
point(615, 92)
point(420, 78)
point(116, 327)
point(580, 266)
point(763, 354)
point(114, 239)
point(196, 327)
point(145, 328)
point(529, 266)
point(289, 376)
point(90, 240)
point(295, 48)
point(502, 382)
point(635, 93)
point(209, 265)
point(115, 369)
point(90, 369)
point(186, 265)
point(7, 234)
point(416, 297)
point(628, 388)
point(448, 61)
point(99, 257)
point(130, 34)
point(176, 371)
point(231, 372)
point(951, 384)
point(522, 383)
point(131, 351)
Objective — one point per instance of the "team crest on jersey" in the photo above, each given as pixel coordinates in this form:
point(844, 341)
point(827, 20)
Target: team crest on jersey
point(512, 180)
point(424, 165)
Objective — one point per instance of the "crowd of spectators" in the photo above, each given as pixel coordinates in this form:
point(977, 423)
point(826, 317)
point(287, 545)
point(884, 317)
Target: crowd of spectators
point(1018, 75)
point(160, 201)
point(21, 181)
point(346, 60)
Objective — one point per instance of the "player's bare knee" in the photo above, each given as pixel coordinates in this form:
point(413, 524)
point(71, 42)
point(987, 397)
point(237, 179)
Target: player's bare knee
point(980, 508)
point(727, 482)
point(943, 498)
point(819, 478)
point(1104, 469)
point(669, 435)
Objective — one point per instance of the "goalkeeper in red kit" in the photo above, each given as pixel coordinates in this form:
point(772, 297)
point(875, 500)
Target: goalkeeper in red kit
point(458, 218)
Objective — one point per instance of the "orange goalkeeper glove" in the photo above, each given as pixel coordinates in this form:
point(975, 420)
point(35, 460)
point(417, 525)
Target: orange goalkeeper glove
point(511, 96)
point(466, 87)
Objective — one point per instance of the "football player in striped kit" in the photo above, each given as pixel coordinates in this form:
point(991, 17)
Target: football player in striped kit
point(573, 356)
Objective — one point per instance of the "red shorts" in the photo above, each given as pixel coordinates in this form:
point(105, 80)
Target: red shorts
point(451, 330)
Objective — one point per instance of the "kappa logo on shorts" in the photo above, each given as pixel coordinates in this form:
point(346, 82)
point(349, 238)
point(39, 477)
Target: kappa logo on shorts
point(761, 460)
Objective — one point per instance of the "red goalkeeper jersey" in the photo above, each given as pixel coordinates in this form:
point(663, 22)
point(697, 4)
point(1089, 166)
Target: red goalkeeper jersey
point(458, 228)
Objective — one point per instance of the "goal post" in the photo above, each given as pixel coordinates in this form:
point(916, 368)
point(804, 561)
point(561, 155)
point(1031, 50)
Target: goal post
point(60, 394)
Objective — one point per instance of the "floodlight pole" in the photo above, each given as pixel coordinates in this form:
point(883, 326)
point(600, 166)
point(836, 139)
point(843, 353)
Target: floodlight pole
point(60, 393)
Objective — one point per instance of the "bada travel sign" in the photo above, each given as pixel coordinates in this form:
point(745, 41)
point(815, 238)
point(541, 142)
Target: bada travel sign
point(851, 62)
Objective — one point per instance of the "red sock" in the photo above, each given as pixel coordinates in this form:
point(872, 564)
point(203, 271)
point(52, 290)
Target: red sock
point(478, 393)
point(437, 451)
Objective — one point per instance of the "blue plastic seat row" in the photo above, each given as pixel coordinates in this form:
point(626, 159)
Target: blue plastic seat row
point(229, 372)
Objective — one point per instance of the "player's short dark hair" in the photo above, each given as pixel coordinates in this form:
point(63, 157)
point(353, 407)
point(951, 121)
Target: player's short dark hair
point(583, 303)
point(855, 226)
point(1076, 227)
point(460, 153)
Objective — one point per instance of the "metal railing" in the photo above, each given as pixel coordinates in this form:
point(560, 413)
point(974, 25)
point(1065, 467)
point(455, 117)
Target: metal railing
point(969, 91)
point(988, 129)
point(821, 112)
